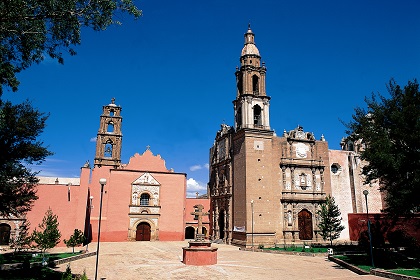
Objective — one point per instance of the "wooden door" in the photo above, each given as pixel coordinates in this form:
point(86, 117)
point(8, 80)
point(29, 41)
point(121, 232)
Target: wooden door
point(305, 225)
point(143, 232)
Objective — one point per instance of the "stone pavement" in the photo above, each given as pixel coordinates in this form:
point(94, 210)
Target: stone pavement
point(163, 260)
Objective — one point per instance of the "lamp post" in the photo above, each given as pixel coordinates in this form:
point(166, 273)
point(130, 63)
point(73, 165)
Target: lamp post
point(366, 192)
point(102, 181)
point(252, 224)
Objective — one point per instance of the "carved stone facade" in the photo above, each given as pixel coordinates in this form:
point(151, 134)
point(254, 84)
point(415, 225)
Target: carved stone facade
point(267, 189)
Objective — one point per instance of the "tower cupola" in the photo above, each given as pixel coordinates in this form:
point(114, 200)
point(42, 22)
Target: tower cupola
point(252, 103)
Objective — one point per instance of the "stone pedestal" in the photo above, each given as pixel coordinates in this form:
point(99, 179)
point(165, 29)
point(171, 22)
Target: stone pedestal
point(199, 253)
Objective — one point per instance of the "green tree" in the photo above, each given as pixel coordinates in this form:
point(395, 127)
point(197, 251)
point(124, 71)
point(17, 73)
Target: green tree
point(20, 125)
point(32, 29)
point(23, 239)
point(48, 236)
point(390, 129)
point(76, 239)
point(330, 220)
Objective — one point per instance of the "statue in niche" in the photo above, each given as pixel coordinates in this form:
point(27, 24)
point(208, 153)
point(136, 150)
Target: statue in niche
point(134, 199)
point(289, 218)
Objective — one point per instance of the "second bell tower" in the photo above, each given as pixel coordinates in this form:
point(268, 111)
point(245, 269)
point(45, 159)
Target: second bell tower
point(252, 103)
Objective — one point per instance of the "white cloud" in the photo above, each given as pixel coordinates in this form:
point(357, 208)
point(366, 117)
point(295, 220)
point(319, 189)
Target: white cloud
point(93, 139)
point(195, 167)
point(194, 186)
point(199, 167)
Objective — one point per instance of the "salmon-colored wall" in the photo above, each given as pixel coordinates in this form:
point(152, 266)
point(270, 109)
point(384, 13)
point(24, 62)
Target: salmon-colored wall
point(71, 214)
point(190, 203)
point(175, 208)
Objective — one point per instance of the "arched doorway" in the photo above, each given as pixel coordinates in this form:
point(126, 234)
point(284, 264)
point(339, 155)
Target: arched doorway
point(204, 231)
point(305, 225)
point(189, 233)
point(143, 232)
point(222, 225)
point(5, 234)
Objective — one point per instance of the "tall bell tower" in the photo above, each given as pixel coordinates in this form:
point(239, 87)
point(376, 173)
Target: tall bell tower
point(109, 137)
point(252, 103)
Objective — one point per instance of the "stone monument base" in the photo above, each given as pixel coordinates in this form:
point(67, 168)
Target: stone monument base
point(199, 253)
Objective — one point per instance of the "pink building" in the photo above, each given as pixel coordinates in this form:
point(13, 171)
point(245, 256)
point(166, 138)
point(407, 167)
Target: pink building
point(141, 200)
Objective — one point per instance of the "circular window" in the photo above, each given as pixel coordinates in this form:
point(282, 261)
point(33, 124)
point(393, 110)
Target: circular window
point(335, 168)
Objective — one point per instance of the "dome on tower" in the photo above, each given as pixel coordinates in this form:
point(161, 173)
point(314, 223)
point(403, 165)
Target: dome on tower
point(250, 49)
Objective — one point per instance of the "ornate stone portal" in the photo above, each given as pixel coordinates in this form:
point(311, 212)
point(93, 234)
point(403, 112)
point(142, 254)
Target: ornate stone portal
point(199, 251)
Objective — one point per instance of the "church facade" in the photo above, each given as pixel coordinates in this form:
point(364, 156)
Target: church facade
point(141, 200)
point(267, 189)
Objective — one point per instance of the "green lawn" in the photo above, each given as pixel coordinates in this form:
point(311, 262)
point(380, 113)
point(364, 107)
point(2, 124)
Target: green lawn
point(21, 257)
point(363, 261)
point(409, 272)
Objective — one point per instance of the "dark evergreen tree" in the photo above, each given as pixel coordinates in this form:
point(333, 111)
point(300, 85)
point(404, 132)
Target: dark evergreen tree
point(31, 29)
point(390, 130)
point(20, 125)
point(76, 239)
point(48, 235)
point(330, 220)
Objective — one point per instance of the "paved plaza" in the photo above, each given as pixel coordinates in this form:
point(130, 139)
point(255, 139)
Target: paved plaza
point(163, 260)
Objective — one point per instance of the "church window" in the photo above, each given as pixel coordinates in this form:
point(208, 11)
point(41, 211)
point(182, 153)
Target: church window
point(335, 168)
point(108, 149)
point(239, 85)
point(110, 127)
point(111, 113)
point(239, 118)
point(144, 199)
point(255, 84)
point(257, 116)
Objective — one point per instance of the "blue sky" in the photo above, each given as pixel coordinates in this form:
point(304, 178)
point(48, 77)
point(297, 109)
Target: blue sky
point(172, 71)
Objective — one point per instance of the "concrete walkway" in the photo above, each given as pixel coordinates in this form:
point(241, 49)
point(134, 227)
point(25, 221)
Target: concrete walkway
point(163, 260)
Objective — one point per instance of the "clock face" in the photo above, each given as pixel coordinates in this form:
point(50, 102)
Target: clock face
point(301, 150)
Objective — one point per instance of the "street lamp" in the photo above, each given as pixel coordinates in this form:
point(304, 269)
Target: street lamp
point(252, 224)
point(102, 181)
point(366, 192)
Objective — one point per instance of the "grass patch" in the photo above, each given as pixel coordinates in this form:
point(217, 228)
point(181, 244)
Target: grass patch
point(20, 257)
point(408, 272)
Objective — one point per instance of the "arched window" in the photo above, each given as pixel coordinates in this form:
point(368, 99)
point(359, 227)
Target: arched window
point(257, 116)
point(240, 85)
point(144, 199)
point(255, 84)
point(239, 118)
point(108, 149)
point(5, 234)
point(110, 127)
point(111, 113)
